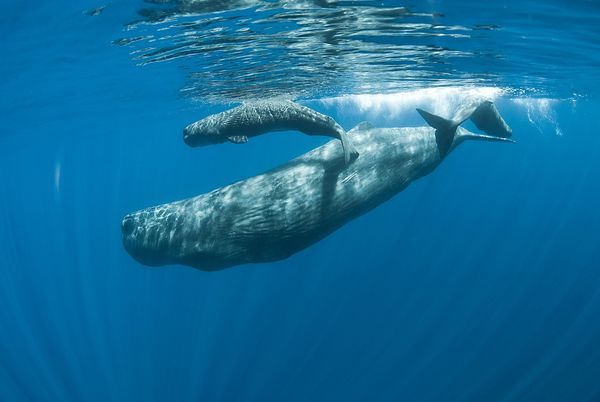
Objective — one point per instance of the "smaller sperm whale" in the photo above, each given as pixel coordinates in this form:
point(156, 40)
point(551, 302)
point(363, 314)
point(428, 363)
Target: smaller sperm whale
point(252, 119)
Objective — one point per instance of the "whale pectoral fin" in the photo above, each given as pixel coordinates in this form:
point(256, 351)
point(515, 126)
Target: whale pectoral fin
point(238, 139)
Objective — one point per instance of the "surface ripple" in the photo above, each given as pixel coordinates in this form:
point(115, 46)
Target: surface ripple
point(245, 49)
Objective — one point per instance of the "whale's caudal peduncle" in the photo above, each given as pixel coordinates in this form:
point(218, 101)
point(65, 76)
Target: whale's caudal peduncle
point(251, 119)
point(276, 214)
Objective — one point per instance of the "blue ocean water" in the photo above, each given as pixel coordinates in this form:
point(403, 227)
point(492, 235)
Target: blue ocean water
point(479, 282)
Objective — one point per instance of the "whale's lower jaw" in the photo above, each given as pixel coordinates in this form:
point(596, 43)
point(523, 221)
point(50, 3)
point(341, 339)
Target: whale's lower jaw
point(274, 215)
point(166, 235)
point(228, 254)
point(253, 249)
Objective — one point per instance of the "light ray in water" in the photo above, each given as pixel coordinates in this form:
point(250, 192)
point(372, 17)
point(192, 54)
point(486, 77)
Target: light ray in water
point(57, 177)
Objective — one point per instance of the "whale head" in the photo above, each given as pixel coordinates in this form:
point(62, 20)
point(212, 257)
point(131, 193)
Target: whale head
point(203, 132)
point(162, 235)
point(145, 236)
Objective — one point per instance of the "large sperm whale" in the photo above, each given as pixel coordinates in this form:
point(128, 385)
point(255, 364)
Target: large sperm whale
point(276, 214)
point(251, 119)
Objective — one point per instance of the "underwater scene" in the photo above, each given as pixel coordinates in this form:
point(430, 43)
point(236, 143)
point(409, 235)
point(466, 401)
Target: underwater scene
point(311, 200)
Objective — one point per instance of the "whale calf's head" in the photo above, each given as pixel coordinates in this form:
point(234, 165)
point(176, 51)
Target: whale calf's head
point(203, 132)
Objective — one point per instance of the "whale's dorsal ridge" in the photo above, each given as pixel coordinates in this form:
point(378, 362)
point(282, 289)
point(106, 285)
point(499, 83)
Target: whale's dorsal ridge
point(363, 125)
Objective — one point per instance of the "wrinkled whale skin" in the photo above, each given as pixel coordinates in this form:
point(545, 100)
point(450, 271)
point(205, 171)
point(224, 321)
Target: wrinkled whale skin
point(259, 117)
point(276, 214)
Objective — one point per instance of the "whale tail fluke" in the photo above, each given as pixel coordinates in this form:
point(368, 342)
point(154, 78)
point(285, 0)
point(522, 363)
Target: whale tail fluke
point(445, 130)
point(350, 153)
point(485, 116)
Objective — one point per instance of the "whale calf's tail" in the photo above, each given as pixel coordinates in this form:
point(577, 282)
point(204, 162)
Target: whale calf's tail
point(350, 153)
point(485, 116)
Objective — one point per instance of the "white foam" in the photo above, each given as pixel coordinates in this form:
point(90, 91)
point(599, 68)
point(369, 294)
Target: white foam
point(440, 101)
point(540, 112)
point(443, 101)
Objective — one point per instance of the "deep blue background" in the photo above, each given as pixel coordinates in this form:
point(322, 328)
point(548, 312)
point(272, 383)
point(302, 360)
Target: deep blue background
point(480, 282)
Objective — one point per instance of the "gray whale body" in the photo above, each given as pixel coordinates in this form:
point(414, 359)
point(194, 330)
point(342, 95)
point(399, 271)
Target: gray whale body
point(252, 119)
point(273, 215)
